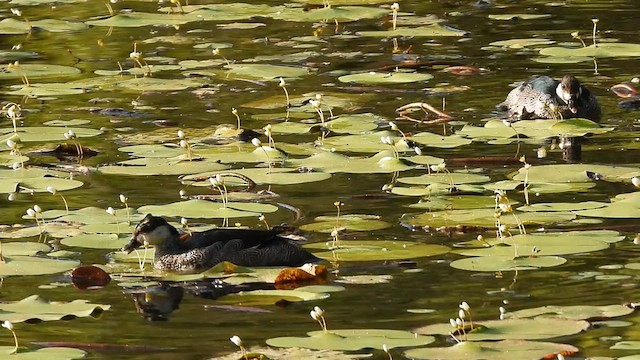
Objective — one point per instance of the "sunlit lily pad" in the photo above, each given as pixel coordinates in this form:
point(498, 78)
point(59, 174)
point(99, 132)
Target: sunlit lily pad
point(353, 339)
point(572, 242)
point(527, 329)
point(569, 173)
point(507, 263)
point(377, 250)
point(45, 133)
point(31, 265)
point(396, 77)
point(270, 297)
point(439, 141)
point(561, 206)
point(201, 209)
point(331, 162)
point(602, 50)
point(158, 166)
point(328, 99)
point(573, 312)
point(339, 13)
point(621, 207)
point(500, 350)
point(518, 16)
point(293, 354)
point(13, 26)
point(279, 176)
point(50, 353)
point(97, 241)
point(521, 43)
point(35, 70)
point(483, 217)
point(157, 84)
point(34, 307)
point(266, 71)
point(434, 30)
point(444, 178)
point(350, 222)
point(46, 89)
point(139, 19)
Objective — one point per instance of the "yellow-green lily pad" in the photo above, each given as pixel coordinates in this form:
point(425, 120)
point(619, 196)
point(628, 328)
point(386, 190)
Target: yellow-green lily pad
point(270, 297)
point(602, 50)
point(19, 265)
point(267, 71)
point(507, 263)
point(36, 308)
point(202, 209)
point(573, 312)
point(50, 353)
point(377, 250)
point(350, 222)
point(518, 16)
point(159, 166)
point(353, 339)
point(395, 77)
point(499, 350)
point(433, 30)
point(35, 70)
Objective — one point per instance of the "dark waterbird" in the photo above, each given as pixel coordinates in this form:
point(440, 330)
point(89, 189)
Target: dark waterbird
point(204, 250)
point(543, 97)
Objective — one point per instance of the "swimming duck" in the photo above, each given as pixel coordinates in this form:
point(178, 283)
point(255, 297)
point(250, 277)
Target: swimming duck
point(543, 97)
point(205, 249)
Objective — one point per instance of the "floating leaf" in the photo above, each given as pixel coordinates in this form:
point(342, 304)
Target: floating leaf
point(270, 297)
point(434, 30)
point(353, 339)
point(507, 263)
point(573, 312)
point(45, 133)
point(36, 308)
point(339, 13)
point(35, 70)
point(49, 353)
point(396, 77)
point(518, 16)
point(444, 178)
point(350, 222)
point(97, 241)
point(527, 329)
point(266, 71)
point(202, 209)
point(483, 217)
point(500, 350)
point(153, 166)
point(521, 43)
point(377, 250)
point(602, 50)
point(31, 265)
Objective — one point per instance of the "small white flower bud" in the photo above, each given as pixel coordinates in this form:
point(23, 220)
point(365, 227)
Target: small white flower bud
point(31, 212)
point(7, 324)
point(236, 340)
point(464, 306)
point(37, 209)
point(318, 310)
point(123, 199)
point(635, 181)
point(256, 142)
point(52, 190)
point(385, 348)
point(111, 211)
point(12, 196)
point(453, 323)
point(180, 134)
point(282, 83)
point(462, 314)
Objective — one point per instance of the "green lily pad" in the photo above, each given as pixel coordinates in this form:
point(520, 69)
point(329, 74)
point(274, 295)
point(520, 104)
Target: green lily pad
point(97, 241)
point(51, 353)
point(45, 133)
point(31, 265)
point(159, 166)
point(23, 248)
point(499, 350)
point(262, 176)
point(483, 217)
point(139, 19)
point(35, 70)
point(270, 297)
point(573, 312)
point(36, 308)
point(602, 50)
point(439, 141)
point(621, 207)
point(331, 162)
point(444, 178)
point(547, 244)
point(626, 345)
point(353, 339)
point(377, 250)
point(522, 43)
point(339, 13)
point(385, 78)
point(333, 100)
point(156, 84)
point(433, 30)
point(202, 209)
point(14, 26)
point(266, 71)
point(507, 263)
point(350, 222)
point(293, 354)
point(518, 329)
point(46, 89)
point(518, 16)
point(571, 173)
point(563, 206)
point(456, 202)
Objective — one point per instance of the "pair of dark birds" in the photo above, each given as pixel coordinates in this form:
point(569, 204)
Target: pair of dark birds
point(541, 97)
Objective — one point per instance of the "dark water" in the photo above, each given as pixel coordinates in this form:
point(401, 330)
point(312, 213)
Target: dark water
point(196, 333)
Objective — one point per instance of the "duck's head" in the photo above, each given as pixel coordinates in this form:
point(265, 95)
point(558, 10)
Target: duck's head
point(569, 90)
point(152, 230)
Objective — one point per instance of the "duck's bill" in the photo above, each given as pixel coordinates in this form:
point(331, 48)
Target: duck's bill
point(131, 245)
point(573, 109)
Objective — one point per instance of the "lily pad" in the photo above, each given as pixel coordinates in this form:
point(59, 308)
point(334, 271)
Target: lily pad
point(339, 13)
point(507, 263)
point(518, 329)
point(433, 30)
point(483, 217)
point(518, 16)
point(385, 78)
point(36, 308)
point(51, 353)
point(158, 166)
point(353, 339)
point(97, 241)
point(266, 71)
point(31, 265)
point(202, 209)
point(32, 71)
point(602, 50)
point(573, 312)
point(350, 222)
point(270, 297)
point(521, 43)
point(499, 350)
point(377, 250)
point(46, 133)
